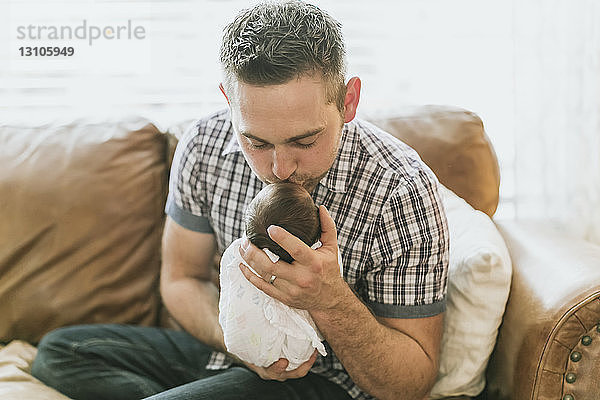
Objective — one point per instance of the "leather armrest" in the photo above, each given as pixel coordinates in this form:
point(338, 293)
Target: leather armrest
point(553, 306)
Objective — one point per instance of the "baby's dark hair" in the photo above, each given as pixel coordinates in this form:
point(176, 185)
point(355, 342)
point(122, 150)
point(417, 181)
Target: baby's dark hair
point(287, 205)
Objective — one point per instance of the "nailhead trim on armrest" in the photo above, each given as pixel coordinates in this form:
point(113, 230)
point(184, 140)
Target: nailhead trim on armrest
point(577, 355)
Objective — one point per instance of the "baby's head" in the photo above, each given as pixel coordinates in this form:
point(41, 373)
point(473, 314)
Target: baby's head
point(287, 205)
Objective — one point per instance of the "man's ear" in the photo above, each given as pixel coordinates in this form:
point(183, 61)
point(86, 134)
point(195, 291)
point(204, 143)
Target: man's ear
point(351, 99)
point(223, 91)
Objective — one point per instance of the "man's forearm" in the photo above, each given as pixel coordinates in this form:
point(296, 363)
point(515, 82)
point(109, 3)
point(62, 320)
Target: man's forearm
point(382, 361)
point(195, 305)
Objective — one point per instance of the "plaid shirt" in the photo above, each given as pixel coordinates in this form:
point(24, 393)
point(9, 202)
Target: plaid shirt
point(392, 231)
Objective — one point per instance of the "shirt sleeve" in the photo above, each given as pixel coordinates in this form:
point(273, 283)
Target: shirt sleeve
point(186, 202)
point(409, 258)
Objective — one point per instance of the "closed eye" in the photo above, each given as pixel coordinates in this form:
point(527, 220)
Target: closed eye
point(259, 146)
point(305, 145)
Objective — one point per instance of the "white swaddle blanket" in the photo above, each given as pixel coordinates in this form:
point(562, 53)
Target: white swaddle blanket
point(257, 328)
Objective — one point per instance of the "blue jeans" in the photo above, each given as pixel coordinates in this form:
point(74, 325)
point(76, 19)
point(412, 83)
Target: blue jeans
point(131, 362)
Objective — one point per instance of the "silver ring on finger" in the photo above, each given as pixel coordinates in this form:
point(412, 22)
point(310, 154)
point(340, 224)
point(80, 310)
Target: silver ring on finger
point(272, 279)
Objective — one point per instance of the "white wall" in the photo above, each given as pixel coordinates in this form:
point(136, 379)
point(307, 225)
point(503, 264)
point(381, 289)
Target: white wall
point(505, 60)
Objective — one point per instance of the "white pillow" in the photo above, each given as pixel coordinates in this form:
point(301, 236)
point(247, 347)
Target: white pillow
point(479, 278)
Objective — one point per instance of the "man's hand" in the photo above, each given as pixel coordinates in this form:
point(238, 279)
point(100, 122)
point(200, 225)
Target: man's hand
point(372, 350)
point(276, 371)
point(313, 282)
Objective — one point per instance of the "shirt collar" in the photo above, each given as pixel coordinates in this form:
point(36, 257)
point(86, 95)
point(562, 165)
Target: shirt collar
point(339, 173)
point(232, 146)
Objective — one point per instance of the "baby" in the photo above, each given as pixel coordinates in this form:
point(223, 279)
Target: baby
point(257, 328)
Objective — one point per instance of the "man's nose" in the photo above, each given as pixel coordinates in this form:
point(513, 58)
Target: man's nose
point(283, 164)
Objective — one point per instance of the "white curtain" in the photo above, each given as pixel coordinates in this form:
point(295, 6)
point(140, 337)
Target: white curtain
point(557, 113)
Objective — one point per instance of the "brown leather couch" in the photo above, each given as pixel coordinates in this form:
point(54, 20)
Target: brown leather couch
point(81, 207)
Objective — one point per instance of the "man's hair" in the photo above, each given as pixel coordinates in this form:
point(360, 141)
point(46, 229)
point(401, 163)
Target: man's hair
point(275, 42)
point(287, 205)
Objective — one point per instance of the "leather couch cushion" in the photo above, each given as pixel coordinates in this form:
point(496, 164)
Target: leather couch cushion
point(453, 143)
point(81, 207)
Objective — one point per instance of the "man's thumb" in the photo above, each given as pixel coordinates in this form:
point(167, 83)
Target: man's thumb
point(328, 231)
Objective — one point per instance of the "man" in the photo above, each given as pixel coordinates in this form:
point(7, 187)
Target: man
point(290, 118)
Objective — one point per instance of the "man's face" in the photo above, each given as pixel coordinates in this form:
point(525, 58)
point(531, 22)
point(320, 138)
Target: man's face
point(287, 132)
